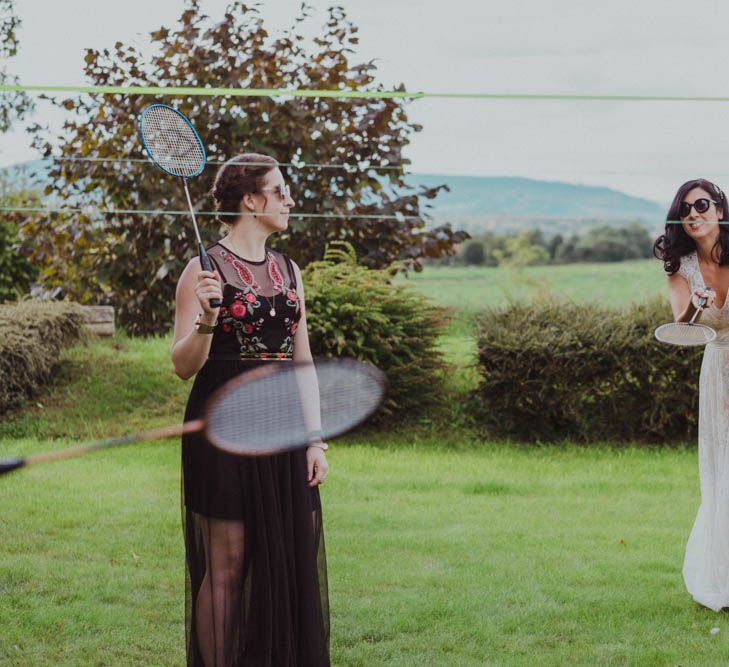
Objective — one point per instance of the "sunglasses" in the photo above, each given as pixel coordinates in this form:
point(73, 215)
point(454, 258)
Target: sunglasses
point(701, 205)
point(284, 191)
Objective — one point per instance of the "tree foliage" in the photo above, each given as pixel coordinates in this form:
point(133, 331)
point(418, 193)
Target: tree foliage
point(606, 243)
point(523, 250)
point(17, 273)
point(13, 105)
point(134, 260)
point(474, 253)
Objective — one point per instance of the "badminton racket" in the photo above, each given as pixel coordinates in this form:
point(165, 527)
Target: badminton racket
point(687, 333)
point(173, 145)
point(270, 409)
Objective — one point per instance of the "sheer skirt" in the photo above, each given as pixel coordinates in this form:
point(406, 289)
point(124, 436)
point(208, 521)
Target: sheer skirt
point(256, 584)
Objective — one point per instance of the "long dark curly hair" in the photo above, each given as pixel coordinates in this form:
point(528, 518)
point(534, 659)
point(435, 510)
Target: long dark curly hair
point(675, 243)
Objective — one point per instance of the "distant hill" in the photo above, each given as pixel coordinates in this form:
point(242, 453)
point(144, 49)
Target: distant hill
point(524, 197)
point(25, 174)
point(502, 204)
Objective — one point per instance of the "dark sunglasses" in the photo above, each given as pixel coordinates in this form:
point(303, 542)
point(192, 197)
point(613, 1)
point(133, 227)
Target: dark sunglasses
point(701, 205)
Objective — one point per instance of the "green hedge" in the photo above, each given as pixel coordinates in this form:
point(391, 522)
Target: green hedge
point(32, 336)
point(556, 371)
point(356, 312)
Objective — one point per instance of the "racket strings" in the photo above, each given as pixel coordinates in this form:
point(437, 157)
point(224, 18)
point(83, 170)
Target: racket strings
point(281, 408)
point(171, 142)
point(683, 333)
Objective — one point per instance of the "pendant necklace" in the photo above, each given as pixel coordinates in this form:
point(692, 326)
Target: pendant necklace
point(275, 275)
point(247, 278)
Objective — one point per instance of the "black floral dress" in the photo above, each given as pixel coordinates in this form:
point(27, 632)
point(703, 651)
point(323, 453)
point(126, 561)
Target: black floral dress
point(256, 565)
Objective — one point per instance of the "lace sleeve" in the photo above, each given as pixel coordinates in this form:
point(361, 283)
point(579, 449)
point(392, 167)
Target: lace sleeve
point(689, 269)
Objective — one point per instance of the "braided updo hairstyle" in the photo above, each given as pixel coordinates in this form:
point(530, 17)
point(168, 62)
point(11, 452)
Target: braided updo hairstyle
point(238, 176)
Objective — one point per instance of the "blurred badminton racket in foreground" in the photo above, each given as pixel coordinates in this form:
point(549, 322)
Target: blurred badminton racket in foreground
point(270, 409)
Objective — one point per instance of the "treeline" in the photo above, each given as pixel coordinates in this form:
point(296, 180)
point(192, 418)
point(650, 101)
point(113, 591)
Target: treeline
point(531, 247)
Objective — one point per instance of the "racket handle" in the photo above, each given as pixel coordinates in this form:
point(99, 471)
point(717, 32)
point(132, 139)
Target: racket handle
point(701, 304)
point(9, 464)
point(207, 265)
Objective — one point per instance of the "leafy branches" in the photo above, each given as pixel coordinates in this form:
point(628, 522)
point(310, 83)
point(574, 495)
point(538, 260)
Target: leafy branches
point(134, 260)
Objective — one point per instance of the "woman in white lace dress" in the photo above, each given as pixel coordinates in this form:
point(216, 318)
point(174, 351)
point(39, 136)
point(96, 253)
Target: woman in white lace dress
point(695, 254)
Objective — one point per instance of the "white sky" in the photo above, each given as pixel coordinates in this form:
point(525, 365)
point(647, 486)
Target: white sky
point(646, 47)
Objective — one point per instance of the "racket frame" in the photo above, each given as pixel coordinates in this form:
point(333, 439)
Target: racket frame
point(8, 464)
point(263, 372)
point(145, 111)
point(691, 323)
point(673, 325)
point(205, 262)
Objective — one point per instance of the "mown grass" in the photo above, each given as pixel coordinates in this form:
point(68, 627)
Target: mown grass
point(441, 551)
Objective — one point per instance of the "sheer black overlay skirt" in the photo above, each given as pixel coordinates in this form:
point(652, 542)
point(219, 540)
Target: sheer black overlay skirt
point(256, 585)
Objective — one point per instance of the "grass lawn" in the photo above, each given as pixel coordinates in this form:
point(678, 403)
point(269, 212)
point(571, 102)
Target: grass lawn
point(441, 551)
point(465, 290)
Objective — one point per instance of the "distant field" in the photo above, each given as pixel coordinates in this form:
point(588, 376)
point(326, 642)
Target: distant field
point(466, 290)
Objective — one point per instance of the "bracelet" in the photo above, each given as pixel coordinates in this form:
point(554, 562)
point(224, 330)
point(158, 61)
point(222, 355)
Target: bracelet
point(203, 328)
point(320, 445)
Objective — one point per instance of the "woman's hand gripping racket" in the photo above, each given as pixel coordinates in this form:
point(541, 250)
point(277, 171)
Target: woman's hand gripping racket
point(175, 147)
point(271, 409)
point(687, 333)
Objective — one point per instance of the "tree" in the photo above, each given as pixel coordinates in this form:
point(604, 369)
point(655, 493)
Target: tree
point(133, 260)
point(13, 105)
point(609, 244)
point(492, 245)
point(553, 246)
point(474, 253)
point(566, 251)
point(522, 250)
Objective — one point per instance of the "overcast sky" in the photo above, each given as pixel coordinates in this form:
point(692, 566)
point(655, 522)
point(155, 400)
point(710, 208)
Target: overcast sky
point(642, 47)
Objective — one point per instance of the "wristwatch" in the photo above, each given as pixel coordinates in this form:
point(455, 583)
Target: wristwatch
point(203, 328)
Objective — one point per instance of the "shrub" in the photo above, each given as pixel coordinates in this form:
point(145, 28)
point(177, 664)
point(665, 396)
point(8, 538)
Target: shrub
point(16, 272)
point(356, 312)
point(32, 336)
point(551, 371)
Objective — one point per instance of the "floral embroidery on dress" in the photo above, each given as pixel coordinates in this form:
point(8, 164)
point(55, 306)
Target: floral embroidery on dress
point(243, 316)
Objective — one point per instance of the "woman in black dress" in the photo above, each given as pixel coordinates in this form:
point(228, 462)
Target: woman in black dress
point(256, 589)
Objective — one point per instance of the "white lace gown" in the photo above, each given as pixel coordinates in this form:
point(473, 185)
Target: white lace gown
point(706, 564)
